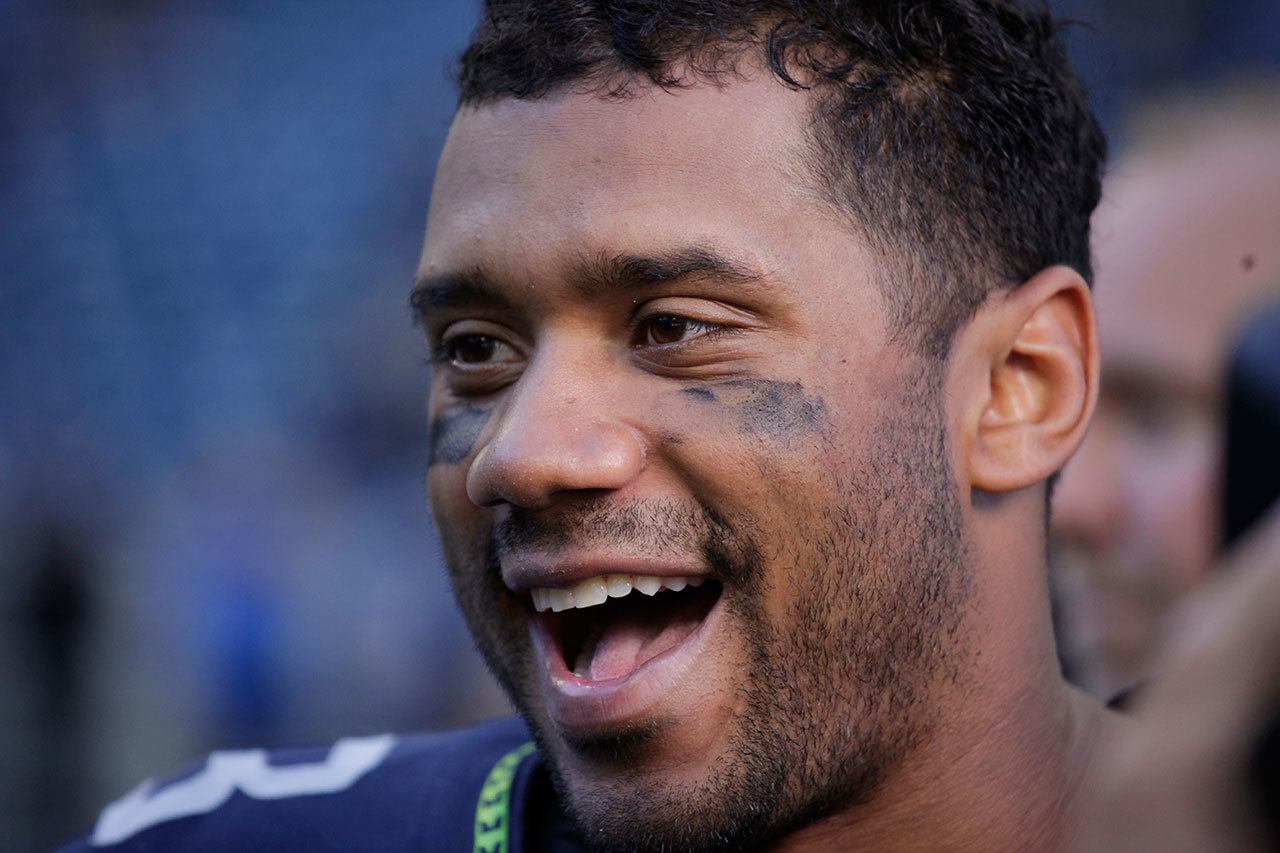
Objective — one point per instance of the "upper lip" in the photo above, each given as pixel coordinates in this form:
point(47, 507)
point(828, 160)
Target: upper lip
point(526, 570)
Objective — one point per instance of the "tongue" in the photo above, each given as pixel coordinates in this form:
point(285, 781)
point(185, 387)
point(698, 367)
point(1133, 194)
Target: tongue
point(632, 640)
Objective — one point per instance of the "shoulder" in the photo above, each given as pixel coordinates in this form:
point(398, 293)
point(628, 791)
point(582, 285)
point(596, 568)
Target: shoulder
point(370, 793)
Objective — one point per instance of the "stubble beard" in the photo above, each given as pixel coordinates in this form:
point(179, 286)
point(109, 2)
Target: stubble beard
point(838, 694)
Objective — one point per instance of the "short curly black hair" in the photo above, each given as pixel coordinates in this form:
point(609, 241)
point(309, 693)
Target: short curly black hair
point(954, 132)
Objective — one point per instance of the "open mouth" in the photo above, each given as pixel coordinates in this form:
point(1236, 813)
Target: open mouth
point(605, 629)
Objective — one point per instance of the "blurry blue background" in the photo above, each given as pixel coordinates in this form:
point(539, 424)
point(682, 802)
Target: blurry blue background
point(211, 397)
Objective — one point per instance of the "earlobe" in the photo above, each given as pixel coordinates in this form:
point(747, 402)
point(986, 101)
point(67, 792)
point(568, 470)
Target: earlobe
point(1042, 375)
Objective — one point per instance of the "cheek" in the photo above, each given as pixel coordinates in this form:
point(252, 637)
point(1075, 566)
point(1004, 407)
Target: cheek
point(764, 457)
point(463, 526)
point(744, 441)
point(452, 435)
point(451, 445)
point(496, 620)
point(782, 415)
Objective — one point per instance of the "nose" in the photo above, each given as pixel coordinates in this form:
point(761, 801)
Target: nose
point(559, 432)
point(1089, 503)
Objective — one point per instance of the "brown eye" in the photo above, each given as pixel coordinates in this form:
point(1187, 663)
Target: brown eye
point(667, 330)
point(670, 329)
point(472, 349)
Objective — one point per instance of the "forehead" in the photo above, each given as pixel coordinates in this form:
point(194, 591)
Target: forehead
point(573, 173)
point(1187, 243)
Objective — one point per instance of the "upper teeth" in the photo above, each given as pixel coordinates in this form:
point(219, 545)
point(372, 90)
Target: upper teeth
point(597, 590)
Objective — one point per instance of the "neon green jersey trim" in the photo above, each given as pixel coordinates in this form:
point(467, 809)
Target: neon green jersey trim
point(493, 812)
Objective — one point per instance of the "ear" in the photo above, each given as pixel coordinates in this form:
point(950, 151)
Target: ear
point(1031, 371)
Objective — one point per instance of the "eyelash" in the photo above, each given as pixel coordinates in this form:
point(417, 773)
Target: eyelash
point(709, 328)
point(446, 352)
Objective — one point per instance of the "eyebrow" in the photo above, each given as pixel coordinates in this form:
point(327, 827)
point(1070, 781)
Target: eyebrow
point(1125, 381)
point(591, 277)
point(604, 272)
point(452, 290)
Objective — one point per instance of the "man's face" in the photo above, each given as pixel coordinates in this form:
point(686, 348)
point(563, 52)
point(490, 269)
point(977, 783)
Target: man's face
point(1186, 247)
point(658, 359)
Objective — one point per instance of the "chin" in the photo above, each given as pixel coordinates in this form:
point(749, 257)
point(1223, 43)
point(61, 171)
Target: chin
point(661, 809)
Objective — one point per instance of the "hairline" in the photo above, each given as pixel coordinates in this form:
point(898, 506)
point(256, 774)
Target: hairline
point(919, 333)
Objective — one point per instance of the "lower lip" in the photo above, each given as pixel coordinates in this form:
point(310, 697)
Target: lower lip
point(582, 705)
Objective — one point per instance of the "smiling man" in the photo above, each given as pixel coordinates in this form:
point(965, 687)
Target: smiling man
point(758, 330)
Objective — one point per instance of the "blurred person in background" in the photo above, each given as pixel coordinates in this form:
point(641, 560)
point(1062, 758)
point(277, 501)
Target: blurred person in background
point(1187, 239)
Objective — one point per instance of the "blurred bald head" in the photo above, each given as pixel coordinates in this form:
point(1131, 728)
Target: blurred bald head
point(1187, 240)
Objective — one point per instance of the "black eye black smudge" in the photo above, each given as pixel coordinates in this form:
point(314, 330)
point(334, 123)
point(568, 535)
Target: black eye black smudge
point(701, 393)
point(766, 407)
point(453, 435)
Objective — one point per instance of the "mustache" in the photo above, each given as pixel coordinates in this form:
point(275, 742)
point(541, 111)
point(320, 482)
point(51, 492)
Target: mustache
point(643, 525)
point(646, 526)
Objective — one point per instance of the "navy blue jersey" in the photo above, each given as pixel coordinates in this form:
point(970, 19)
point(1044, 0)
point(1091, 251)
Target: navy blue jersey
point(480, 789)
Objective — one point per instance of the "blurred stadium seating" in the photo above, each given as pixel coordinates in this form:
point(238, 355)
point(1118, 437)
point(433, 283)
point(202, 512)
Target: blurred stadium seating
point(211, 397)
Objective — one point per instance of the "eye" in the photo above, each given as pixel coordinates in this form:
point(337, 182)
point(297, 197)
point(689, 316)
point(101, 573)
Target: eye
point(475, 350)
point(1154, 416)
point(665, 329)
point(1158, 415)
